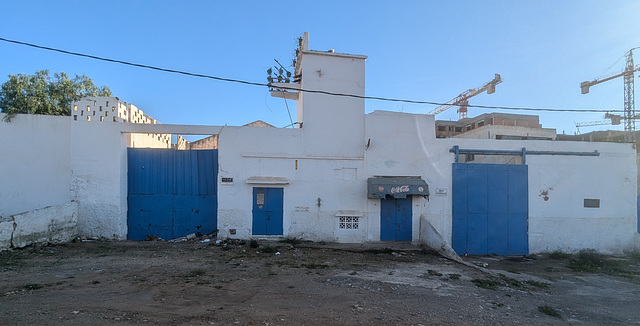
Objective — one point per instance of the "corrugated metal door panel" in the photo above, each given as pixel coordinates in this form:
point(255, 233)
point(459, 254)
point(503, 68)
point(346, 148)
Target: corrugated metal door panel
point(502, 226)
point(403, 219)
point(477, 234)
point(459, 234)
point(150, 214)
point(193, 214)
point(459, 191)
point(497, 194)
point(518, 189)
point(496, 230)
point(477, 188)
point(164, 197)
point(518, 238)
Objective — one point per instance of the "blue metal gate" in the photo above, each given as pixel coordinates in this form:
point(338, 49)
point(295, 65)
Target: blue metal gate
point(267, 211)
point(395, 219)
point(171, 193)
point(490, 209)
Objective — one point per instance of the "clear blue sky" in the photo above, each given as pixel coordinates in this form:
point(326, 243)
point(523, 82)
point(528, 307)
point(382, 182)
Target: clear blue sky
point(420, 50)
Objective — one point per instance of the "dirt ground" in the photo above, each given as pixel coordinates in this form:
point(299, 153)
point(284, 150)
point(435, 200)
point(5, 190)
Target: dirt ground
point(279, 283)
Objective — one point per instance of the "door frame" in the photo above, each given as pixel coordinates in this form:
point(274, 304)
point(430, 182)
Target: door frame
point(270, 196)
point(394, 205)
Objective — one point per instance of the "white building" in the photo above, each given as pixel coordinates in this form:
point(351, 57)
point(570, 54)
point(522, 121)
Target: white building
point(344, 176)
point(112, 109)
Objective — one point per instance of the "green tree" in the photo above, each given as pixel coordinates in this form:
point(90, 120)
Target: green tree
point(42, 94)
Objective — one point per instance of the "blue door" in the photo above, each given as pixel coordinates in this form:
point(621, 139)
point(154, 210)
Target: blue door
point(171, 193)
point(267, 211)
point(395, 219)
point(490, 209)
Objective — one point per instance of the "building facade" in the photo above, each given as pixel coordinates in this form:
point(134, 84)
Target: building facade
point(346, 176)
point(496, 126)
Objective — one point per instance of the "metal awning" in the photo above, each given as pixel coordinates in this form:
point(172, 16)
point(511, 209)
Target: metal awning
point(397, 187)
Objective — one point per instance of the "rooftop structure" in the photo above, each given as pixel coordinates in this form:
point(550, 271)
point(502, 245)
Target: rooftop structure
point(496, 126)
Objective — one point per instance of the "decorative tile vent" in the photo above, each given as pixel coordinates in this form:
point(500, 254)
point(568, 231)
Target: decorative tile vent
point(348, 219)
point(349, 222)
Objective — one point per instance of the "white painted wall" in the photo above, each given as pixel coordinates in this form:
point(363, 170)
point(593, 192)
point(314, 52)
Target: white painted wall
point(246, 152)
point(99, 179)
point(561, 222)
point(400, 144)
point(34, 163)
point(328, 120)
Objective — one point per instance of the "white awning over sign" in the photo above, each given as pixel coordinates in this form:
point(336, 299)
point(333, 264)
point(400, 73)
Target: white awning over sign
point(268, 180)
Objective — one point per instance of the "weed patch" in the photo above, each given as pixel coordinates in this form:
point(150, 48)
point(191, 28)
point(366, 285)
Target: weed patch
point(196, 273)
point(547, 310)
point(590, 261)
point(292, 240)
point(33, 286)
point(379, 251)
point(269, 250)
point(559, 255)
point(486, 284)
point(510, 281)
point(541, 285)
point(315, 266)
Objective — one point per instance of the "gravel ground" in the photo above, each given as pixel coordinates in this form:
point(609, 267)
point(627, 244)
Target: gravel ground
point(299, 283)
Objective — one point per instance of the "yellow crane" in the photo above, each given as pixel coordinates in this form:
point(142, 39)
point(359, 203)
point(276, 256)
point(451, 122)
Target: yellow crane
point(462, 100)
point(629, 101)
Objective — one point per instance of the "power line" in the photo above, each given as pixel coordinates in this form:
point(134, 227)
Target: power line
point(292, 88)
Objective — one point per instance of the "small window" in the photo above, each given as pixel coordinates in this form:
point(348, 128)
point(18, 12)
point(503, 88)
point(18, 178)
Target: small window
point(591, 203)
point(75, 108)
point(260, 198)
point(100, 108)
point(349, 222)
point(88, 118)
point(75, 117)
point(458, 129)
point(442, 128)
point(107, 105)
point(468, 127)
point(88, 108)
point(480, 123)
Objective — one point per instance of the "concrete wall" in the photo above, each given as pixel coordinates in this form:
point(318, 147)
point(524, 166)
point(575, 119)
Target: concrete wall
point(34, 163)
point(35, 174)
point(404, 145)
point(561, 221)
point(99, 178)
point(53, 224)
point(332, 119)
point(490, 132)
point(399, 145)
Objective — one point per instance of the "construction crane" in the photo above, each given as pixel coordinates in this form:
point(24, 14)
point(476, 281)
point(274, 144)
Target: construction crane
point(629, 101)
point(614, 119)
point(462, 100)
